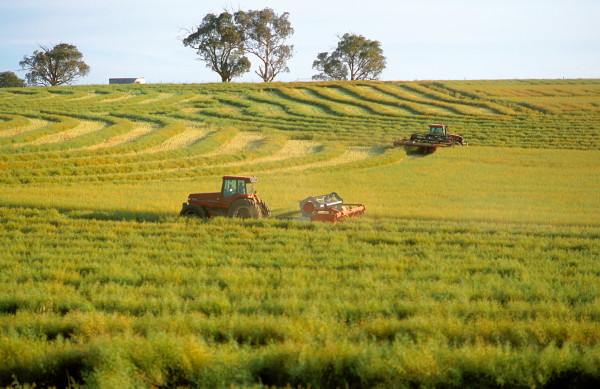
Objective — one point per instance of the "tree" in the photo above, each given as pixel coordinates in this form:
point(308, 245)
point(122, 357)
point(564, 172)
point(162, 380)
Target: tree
point(331, 68)
point(265, 34)
point(219, 42)
point(10, 80)
point(59, 65)
point(355, 55)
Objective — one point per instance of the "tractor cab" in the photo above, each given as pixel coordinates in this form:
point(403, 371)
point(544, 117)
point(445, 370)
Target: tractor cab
point(234, 185)
point(437, 129)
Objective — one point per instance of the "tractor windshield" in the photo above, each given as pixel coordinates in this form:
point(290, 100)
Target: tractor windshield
point(233, 187)
point(436, 131)
point(241, 187)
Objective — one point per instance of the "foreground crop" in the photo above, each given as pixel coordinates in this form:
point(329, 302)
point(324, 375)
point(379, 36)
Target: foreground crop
point(279, 302)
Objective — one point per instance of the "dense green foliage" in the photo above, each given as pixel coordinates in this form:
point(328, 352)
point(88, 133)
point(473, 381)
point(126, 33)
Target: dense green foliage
point(355, 57)
point(219, 43)
point(10, 80)
point(474, 266)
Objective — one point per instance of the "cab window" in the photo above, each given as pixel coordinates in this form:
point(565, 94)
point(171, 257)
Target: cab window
point(241, 187)
point(229, 188)
point(233, 187)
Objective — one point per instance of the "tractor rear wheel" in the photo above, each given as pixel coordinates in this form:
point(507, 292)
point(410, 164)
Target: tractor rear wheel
point(192, 210)
point(264, 209)
point(244, 209)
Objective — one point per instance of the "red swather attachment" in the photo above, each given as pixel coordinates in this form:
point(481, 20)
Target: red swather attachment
point(329, 208)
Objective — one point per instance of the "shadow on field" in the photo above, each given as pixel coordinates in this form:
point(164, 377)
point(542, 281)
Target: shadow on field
point(287, 214)
point(416, 154)
point(117, 215)
point(114, 215)
point(92, 214)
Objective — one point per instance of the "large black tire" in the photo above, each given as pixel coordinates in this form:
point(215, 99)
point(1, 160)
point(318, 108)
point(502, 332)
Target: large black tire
point(244, 209)
point(192, 210)
point(264, 209)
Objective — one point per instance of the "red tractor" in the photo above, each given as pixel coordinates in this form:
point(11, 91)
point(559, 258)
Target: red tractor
point(237, 198)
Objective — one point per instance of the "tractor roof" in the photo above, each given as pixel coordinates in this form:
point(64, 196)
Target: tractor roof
point(247, 179)
point(437, 125)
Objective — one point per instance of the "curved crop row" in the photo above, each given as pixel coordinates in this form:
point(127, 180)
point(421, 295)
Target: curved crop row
point(106, 131)
point(11, 121)
point(57, 124)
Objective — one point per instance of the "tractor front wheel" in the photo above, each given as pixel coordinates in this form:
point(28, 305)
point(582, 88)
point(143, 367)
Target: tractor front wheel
point(244, 209)
point(192, 210)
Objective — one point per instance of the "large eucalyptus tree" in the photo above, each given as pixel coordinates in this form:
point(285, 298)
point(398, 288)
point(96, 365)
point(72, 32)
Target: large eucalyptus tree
point(265, 35)
point(355, 56)
point(219, 42)
point(59, 65)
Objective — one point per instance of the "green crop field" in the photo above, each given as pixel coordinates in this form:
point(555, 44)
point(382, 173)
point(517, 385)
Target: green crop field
point(474, 266)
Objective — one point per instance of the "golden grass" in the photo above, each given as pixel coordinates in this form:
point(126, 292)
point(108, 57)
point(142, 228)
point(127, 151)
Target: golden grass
point(118, 99)
point(378, 95)
point(242, 141)
point(299, 106)
point(161, 96)
point(34, 124)
point(85, 97)
point(194, 131)
point(190, 110)
point(292, 149)
point(352, 154)
point(139, 130)
point(363, 108)
point(324, 98)
point(85, 127)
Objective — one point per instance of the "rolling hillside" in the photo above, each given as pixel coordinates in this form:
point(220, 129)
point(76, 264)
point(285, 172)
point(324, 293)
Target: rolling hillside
point(473, 266)
point(128, 133)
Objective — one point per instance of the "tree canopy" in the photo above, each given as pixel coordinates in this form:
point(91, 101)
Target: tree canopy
point(355, 55)
point(219, 42)
point(265, 34)
point(10, 80)
point(59, 65)
point(330, 67)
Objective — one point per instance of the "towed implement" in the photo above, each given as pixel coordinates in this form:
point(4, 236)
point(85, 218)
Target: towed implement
point(437, 136)
point(329, 208)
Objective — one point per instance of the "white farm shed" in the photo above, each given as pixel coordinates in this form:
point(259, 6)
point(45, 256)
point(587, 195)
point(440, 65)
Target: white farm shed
point(139, 80)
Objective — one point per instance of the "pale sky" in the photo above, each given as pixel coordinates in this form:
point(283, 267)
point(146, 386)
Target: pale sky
point(422, 39)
